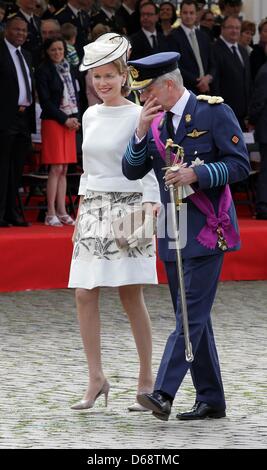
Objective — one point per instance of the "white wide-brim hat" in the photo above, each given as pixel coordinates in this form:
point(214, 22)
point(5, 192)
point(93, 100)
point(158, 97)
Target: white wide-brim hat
point(105, 49)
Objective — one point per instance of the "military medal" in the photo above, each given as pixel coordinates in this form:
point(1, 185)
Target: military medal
point(222, 243)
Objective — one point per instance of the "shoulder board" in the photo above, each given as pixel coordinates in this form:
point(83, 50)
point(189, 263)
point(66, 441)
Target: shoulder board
point(210, 99)
point(59, 11)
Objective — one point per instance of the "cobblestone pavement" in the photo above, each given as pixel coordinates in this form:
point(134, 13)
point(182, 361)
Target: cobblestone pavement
point(43, 371)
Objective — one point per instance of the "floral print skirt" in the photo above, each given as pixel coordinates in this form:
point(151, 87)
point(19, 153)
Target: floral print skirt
point(97, 260)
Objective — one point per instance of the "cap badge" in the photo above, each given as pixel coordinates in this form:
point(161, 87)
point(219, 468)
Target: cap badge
point(134, 73)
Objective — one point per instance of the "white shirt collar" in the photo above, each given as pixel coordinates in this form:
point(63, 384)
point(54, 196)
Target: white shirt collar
point(10, 46)
point(187, 30)
point(180, 105)
point(28, 17)
point(129, 10)
point(73, 9)
point(229, 44)
point(108, 12)
point(148, 33)
point(179, 108)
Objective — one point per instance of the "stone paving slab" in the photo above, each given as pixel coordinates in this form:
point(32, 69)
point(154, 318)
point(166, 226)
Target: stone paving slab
point(43, 371)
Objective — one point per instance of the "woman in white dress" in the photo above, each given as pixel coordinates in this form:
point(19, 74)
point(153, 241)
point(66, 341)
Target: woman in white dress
point(105, 194)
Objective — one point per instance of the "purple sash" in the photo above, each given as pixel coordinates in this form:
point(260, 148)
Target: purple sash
point(217, 227)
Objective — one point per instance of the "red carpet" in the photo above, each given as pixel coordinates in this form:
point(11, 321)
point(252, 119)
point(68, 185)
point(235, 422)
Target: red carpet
point(38, 257)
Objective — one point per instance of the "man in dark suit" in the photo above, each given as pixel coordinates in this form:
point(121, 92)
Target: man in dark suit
point(207, 128)
point(197, 63)
point(73, 13)
point(17, 116)
point(233, 81)
point(107, 15)
point(129, 17)
point(227, 8)
point(33, 42)
point(148, 40)
point(258, 118)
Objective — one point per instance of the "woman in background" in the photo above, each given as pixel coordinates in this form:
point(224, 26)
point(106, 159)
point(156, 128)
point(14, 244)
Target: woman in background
point(57, 91)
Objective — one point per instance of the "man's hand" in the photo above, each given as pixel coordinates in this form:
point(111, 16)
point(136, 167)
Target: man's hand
point(180, 177)
point(149, 112)
point(203, 83)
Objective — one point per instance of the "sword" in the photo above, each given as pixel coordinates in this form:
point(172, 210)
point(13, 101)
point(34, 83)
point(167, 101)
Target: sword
point(176, 203)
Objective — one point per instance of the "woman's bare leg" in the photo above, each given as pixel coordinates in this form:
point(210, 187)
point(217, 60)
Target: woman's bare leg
point(52, 188)
point(133, 302)
point(90, 328)
point(61, 191)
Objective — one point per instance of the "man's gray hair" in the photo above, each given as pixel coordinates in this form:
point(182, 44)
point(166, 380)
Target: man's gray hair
point(174, 76)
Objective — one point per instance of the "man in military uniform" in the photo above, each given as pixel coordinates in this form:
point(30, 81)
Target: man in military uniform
point(73, 13)
point(215, 156)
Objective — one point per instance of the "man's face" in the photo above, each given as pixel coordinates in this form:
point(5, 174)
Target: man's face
point(148, 17)
point(158, 90)
point(48, 30)
point(188, 15)
point(2, 13)
point(232, 9)
point(16, 32)
point(231, 30)
point(109, 3)
point(28, 4)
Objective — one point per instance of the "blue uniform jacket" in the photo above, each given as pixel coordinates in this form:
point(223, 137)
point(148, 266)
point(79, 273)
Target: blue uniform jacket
point(218, 140)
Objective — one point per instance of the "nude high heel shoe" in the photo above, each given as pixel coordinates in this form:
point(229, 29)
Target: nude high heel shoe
point(85, 404)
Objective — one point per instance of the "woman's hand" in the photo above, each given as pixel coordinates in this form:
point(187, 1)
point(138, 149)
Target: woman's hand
point(151, 208)
point(72, 124)
point(73, 238)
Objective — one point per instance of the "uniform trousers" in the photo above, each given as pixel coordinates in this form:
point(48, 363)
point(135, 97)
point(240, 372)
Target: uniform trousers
point(201, 277)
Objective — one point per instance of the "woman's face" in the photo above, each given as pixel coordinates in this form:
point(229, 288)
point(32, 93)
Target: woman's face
point(165, 12)
point(108, 82)
point(56, 52)
point(246, 37)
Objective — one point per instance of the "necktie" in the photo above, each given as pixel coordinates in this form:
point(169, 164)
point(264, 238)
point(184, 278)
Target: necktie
point(80, 16)
point(154, 41)
point(33, 25)
point(195, 47)
point(169, 124)
point(236, 57)
point(25, 76)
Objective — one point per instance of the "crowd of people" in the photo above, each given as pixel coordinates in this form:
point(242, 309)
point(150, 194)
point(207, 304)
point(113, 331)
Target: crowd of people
point(218, 57)
point(73, 60)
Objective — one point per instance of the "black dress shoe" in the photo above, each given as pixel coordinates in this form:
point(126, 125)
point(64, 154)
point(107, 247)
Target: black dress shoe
point(157, 403)
point(201, 410)
point(19, 223)
point(3, 223)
